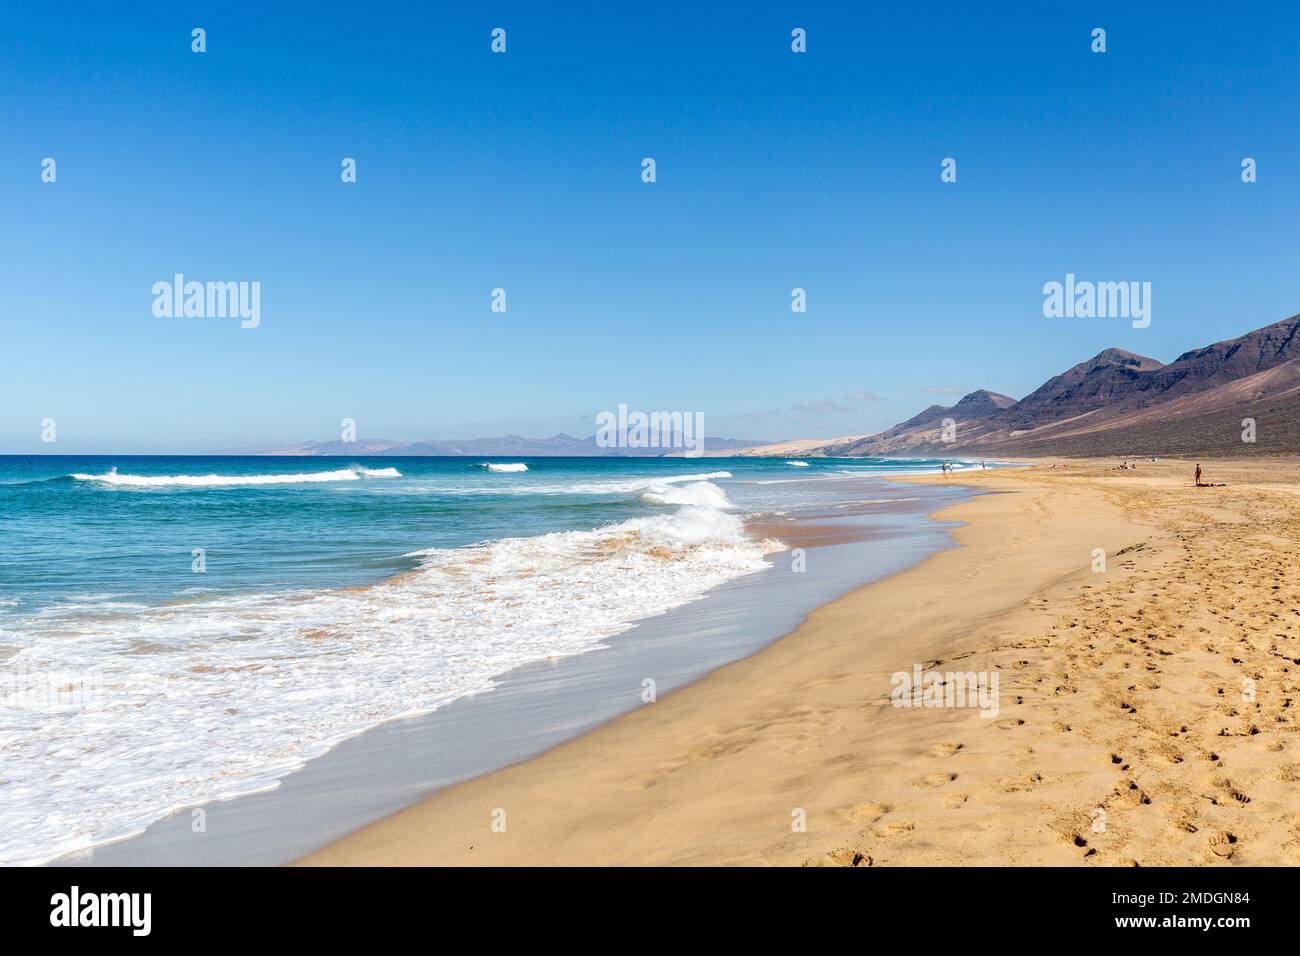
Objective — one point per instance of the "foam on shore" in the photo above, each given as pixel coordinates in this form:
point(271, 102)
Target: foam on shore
point(355, 473)
point(267, 681)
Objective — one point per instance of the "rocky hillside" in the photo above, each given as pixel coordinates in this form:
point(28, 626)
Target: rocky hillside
point(1123, 404)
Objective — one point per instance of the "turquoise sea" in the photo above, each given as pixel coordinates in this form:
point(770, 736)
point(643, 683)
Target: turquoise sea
point(181, 629)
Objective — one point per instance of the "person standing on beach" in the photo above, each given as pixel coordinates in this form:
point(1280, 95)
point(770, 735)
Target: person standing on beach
point(1198, 474)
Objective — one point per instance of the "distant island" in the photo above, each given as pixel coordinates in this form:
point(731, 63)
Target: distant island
point(560, 445)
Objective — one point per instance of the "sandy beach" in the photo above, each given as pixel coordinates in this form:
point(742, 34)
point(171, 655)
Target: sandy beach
point(1144, 710)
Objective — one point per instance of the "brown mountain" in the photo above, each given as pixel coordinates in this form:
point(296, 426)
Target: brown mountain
point(1124, 404)
point(1206, 422)
point(1195, 403)
point(919, 432)
point(926, 428)
point(1098, 383)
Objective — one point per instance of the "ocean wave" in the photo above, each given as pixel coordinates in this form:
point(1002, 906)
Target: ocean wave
point(699, 494)
point(268, 681)
point(355, 473)
point(630, 485)
point(706, 476)
point(616, 486)
point(819, 477)
point(508, 467)
point(797, 464)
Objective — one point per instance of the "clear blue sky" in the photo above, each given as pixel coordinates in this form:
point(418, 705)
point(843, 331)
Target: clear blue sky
point(522, 171)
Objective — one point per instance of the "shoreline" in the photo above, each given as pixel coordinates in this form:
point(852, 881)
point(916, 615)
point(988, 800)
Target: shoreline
point(1111, 709)
point(393, 765)
point(360, 847)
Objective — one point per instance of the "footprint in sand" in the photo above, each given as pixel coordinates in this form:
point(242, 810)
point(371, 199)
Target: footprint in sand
point(1020, 784)
point(1231, 793)
point(1223, 845)
point(869, 812)
point(848, 857)
point(945, 749)
point(1077, 840)
point(894, 829)
point(937, 779)
point(1169, 752)
point(1133, 795)
point(1183, 818)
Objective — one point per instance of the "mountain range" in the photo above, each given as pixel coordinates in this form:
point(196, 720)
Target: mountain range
point(508, 445)
point(1115, 403)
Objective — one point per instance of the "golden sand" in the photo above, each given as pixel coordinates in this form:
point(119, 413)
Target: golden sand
point(1146, 711)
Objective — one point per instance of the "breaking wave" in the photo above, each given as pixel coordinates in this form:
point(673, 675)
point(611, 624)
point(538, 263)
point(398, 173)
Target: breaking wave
point(355, 473)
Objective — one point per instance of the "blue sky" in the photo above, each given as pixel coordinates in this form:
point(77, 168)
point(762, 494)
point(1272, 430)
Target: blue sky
point(522, 171)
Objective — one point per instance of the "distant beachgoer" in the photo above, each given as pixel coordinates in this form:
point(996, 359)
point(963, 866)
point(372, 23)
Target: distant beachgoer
point(1198, 474)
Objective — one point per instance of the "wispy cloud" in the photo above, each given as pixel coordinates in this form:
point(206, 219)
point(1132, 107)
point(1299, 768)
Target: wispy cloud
point(941, 390)
point(820, 406)
point(810, 408)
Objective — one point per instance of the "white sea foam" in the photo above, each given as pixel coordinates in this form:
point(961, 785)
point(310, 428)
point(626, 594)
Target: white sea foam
point(798, 464)
point(207, 699)
point(355, 473)
point(631, 485)
point(700, 493)
point(509, 467)
point(616, 486)
point(819, 477)
point(707, 476)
